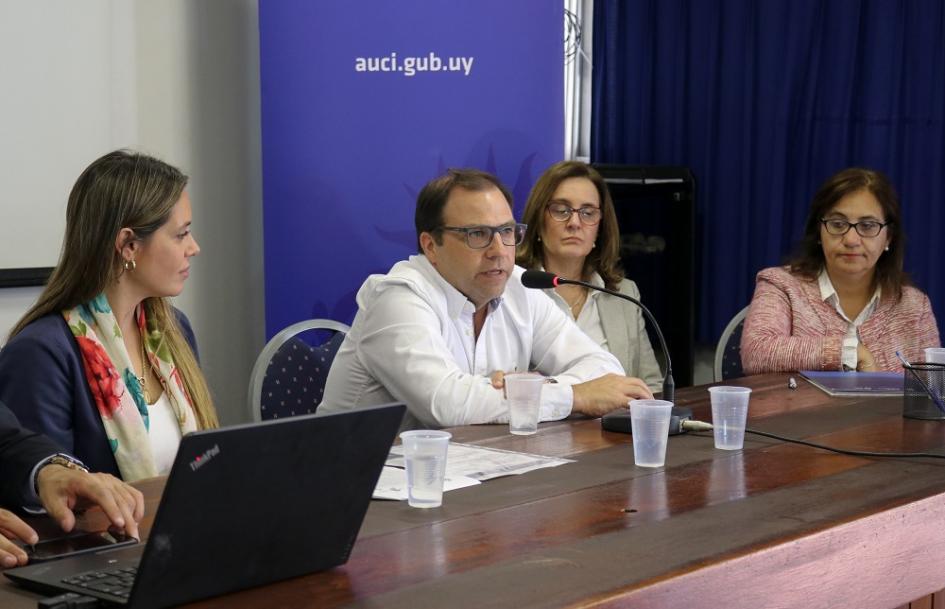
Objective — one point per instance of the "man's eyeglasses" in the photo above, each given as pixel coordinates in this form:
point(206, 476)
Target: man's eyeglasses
point(480, 237)
point(864, 228)
point(562, 213)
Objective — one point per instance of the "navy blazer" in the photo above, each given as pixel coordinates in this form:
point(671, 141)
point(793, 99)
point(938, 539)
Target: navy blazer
point(42, 380)
point(20, 451)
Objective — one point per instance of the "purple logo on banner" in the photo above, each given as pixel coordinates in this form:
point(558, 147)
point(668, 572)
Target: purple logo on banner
point(365, 101)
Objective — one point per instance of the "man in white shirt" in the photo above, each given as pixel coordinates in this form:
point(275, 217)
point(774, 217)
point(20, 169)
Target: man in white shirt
point(440, 330)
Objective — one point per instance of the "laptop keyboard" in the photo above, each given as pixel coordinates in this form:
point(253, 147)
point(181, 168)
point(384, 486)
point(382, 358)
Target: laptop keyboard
point(116, 582)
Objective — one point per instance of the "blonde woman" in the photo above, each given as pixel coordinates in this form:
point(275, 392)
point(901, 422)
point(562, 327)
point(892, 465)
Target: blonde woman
point(102, 363)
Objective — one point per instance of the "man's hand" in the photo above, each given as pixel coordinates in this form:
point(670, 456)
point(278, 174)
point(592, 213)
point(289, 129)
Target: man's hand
point(11, 527)
point(607, 393)
point(497, 379)
point(62, 490)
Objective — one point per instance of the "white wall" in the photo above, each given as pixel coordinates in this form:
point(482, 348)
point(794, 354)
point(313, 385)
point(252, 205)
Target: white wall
point(63, 76)
point(185, 87)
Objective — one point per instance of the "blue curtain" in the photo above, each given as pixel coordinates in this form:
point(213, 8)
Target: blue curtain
point(764, 100)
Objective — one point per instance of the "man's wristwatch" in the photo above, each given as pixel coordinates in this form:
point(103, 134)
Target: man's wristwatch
point(63, 460)
point(67, 462)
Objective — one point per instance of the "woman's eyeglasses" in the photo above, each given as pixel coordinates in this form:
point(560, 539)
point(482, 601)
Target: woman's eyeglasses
point(562, 213)
point(864, 228)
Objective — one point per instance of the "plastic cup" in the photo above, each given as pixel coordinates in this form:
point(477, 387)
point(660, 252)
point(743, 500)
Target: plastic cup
point(425, 458)
point(935, 355)
point(523, 394)
point(649, 422)
point(729, 413)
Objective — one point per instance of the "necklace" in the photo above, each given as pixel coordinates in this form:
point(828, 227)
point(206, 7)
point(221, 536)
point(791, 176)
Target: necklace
point(578, 303)
point(143, 379)
point(181, 416)
point(145, 363)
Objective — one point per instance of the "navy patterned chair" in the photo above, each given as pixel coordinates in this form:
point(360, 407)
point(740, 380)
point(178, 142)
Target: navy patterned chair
point(728, 353)
point(290, 373)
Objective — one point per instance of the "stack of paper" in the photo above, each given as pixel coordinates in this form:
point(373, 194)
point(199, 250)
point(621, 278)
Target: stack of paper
point(466, 465)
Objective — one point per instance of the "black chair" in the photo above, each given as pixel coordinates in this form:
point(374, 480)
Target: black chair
point(290, 373)
point(728, 353)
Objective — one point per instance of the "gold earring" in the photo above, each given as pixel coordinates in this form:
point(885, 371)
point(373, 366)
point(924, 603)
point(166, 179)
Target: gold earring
point(130, 265)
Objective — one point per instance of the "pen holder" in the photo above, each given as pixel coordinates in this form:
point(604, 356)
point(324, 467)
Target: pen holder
point(923, 385)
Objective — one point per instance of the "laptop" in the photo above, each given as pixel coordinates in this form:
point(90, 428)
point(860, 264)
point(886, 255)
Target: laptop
point(243, 506)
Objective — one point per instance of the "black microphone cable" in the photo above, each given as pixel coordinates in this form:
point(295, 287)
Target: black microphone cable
point(691, 425)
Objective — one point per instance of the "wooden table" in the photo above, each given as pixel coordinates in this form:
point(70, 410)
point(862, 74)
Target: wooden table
point(773, 525)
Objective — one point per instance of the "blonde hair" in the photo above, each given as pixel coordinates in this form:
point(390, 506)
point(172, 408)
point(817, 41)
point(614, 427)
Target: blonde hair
point(122, 189)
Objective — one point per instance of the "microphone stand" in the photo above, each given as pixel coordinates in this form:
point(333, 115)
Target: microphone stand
point(619, 420)
point(669, 386)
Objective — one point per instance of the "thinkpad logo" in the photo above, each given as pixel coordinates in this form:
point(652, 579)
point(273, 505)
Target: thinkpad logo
point(200, 460)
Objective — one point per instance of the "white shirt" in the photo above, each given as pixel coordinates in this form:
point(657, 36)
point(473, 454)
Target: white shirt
point(588, 319)
point(412, 340)
point(163, 433)
point(851, 340)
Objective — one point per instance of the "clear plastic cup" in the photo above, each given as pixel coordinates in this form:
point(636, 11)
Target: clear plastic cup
point(729, 413)
point(935, 355)
point(425, 458)
point(523, 394)
point(649, 422)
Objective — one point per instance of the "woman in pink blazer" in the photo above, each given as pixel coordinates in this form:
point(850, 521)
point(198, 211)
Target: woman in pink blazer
point(843, 302)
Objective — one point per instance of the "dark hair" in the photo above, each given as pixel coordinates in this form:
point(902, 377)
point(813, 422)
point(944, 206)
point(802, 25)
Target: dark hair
point(605, 257)
point(432, 199)
point(122, 189)
point(808, 261)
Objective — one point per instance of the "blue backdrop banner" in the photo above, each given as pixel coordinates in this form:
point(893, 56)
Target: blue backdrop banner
point(365, 101)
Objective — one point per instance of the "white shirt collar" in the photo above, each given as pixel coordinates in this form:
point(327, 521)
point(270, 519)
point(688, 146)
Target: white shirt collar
point(596, 280)
point(829, 294)
point(456, 301)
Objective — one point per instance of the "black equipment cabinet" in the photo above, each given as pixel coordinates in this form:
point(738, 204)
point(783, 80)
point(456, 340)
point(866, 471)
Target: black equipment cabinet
point(655, 208)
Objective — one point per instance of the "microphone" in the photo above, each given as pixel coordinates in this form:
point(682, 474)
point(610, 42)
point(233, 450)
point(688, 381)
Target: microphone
point(618, 420)
point(541, 280)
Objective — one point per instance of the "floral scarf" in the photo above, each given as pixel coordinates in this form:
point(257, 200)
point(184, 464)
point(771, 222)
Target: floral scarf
point(115, 386)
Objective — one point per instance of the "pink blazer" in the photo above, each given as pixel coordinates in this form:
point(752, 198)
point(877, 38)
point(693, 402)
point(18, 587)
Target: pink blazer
point(790, 328)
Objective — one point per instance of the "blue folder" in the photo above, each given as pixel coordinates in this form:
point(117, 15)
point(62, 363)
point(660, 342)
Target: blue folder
point(855, 383)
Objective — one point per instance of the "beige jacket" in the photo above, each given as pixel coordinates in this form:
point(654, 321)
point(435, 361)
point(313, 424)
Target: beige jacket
point(625, 330)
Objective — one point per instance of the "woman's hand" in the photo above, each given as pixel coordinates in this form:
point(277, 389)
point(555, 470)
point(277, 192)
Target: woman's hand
point(864, 359)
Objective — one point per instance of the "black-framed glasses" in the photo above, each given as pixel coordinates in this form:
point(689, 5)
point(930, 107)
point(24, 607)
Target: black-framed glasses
point(864, 228)
point(562, 213)
point(480, 237)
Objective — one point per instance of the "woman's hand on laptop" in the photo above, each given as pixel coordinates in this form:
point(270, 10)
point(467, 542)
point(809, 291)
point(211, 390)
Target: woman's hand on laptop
point(61, 490)
point(11, 526)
